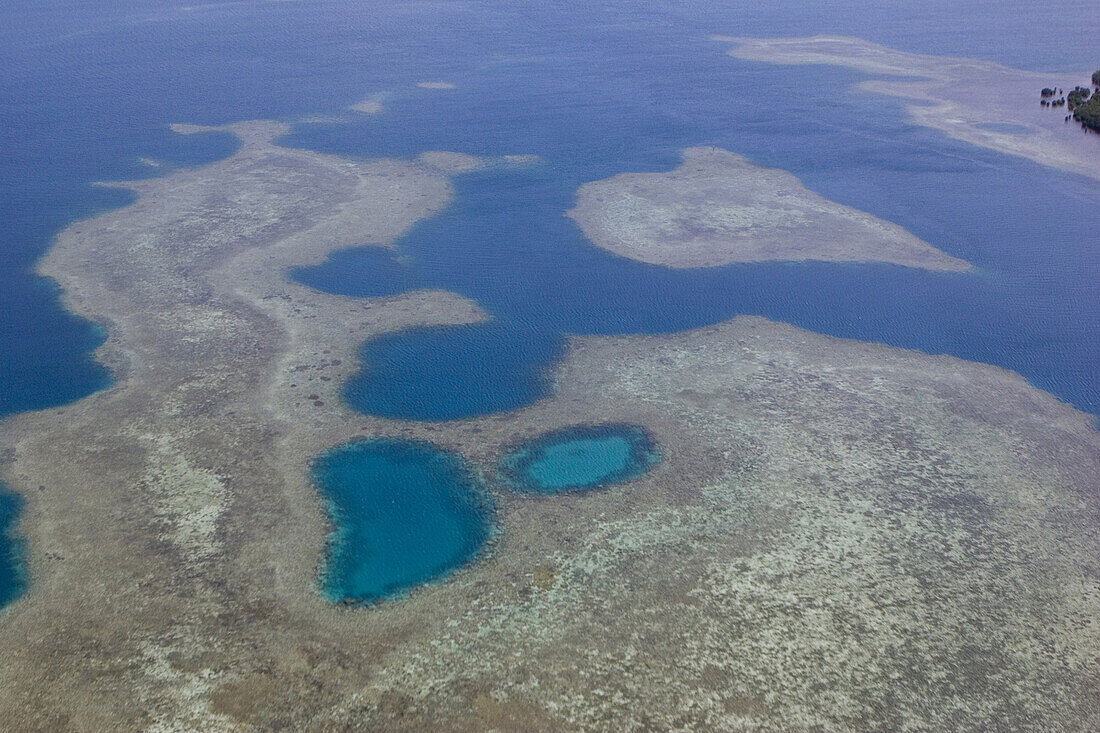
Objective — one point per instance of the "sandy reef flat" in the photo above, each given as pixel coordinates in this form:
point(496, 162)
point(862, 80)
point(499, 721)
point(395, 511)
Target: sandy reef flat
point(718, 207)
point(839, 535)
point(958, 96)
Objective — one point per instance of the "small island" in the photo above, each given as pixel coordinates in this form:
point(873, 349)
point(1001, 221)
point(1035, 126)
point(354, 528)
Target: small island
point(1087, 110)
point(1082, 104)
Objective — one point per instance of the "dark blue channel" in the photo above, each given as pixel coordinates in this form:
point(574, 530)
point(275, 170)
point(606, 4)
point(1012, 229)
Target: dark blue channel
point(1032, 304)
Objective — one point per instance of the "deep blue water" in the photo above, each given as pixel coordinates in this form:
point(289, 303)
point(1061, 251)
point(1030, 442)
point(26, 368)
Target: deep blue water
point(596, 89)
point(453, 372)
point(1032, 306)
point(404, 513)
point(579, 458)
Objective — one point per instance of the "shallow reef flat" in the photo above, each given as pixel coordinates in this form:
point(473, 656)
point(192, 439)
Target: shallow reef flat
point(978, 102)
point(838, 534)
point(162, 510)
point(718, 208)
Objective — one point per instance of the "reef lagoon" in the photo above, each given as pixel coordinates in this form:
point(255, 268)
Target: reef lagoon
point(592, 104)
point(404, 513)
point(580, 458)
point(453, 372)
point(774, 572)
point(369, 272)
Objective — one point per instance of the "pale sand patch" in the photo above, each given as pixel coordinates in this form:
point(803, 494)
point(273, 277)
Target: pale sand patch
point(372, 105)
point(320, 120)
point(190, 500)
point(182, 128)
point(455, 163)
point(521, 159)
point(451, 162)
point(957, 96)
point(718, 208)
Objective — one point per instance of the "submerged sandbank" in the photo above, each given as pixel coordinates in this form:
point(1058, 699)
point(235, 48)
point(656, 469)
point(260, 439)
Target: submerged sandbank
point(372, 105)
point(718, 208)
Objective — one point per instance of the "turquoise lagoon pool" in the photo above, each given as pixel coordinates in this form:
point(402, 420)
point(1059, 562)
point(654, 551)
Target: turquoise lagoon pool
point(404, 513)
point(580, 458)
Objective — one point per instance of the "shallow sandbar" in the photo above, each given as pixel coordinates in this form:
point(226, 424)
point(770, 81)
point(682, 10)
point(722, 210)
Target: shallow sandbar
point(718, 208)
point(958, 96)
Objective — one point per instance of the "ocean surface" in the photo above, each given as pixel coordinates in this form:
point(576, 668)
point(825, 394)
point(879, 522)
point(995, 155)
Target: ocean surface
point(594, 89)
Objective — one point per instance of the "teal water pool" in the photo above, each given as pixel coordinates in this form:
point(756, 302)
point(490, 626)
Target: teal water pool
point(580, 458)
point(403, 513)
point(12, 568)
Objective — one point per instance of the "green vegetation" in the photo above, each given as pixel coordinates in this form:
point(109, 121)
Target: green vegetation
point(1077, 97)
point(1088, 114)
point(1081, 103)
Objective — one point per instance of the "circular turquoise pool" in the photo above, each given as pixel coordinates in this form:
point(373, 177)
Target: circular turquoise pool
point(579, 458)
